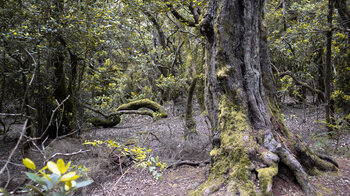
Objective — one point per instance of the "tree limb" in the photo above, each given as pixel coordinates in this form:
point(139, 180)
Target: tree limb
point(301, 83)
point(144, 103)
point(178, 16)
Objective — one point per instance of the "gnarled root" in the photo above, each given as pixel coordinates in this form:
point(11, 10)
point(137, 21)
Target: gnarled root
point(297, 169)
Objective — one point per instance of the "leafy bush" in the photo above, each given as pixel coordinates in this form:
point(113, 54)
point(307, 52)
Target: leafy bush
point(61, 181)
point(139, 156)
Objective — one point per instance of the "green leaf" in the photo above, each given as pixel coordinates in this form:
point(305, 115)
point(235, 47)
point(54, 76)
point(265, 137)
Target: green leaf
point(35, 189)
point(49, 184)
point(4, 191)
point(35, 178)
point(54, 178)
point(83, 183)
point(157, 175)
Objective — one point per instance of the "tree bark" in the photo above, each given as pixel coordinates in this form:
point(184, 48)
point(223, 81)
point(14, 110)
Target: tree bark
point(328, 67)
point(251, 145)
point(190, 129)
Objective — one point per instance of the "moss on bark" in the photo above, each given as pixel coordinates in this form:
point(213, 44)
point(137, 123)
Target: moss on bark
point(265, 176)
point(231, 162)
point(111, 121)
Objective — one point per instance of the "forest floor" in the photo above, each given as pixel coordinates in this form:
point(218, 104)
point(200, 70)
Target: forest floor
point(164, 137)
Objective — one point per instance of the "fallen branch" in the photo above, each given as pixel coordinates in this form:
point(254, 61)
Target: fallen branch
point(68, 154)
point(144, 103)
point(188, 162)
point(113, 189)
point(15, 115)
point(143, 112)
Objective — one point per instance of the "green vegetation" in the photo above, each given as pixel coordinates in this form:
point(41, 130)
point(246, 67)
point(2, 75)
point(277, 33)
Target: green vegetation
point(66, 65)
point(61, 181)
point(139, 156)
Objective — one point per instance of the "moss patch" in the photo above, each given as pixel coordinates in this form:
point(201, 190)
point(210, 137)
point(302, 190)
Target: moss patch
point(144, 103)
point(265, 176)
point(231, 161)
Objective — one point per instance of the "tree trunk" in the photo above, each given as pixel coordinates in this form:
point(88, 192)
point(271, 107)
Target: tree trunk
point(328, 68)
point(251, 143)
point(190, 128)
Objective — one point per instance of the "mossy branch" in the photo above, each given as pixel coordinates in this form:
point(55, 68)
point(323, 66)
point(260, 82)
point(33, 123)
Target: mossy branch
point(144, 103)
point(110, 120)
point(143, 112)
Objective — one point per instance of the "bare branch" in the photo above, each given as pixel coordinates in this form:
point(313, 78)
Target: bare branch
point(31, 80)
point(9, 114)
point(68, 154)
point(50, 121)
point(15, 148)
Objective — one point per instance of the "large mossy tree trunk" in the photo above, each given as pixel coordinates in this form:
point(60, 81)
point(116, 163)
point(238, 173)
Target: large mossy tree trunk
point(251, 143)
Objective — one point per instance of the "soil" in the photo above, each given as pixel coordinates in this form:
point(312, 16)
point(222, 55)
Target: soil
point(164, 137)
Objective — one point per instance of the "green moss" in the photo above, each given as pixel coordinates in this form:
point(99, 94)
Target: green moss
point(214, 152)
point(260, 136)
point(223, 72)
point(231, 161)
point(111, 121)
point(317, 161)
point(144, 103)
point(314, 171)
point(265, 176)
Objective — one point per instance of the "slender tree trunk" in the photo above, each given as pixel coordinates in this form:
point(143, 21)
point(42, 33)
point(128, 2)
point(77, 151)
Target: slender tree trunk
point(190, 129)
point(251, 143)
point(328, 67)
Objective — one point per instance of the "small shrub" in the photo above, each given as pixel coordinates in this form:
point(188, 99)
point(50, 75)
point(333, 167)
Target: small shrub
point(61, 181)
point(139, 156)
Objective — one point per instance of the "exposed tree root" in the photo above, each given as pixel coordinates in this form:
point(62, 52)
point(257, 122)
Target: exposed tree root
point(313, 161)
point(297, 169)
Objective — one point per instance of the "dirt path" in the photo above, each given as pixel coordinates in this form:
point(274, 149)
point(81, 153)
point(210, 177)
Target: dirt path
point(185, 178)
point(165, 138)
